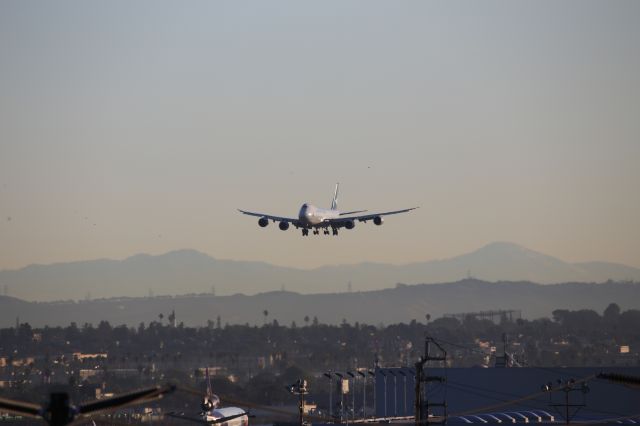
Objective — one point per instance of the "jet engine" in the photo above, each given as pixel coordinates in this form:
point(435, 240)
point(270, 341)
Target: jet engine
point(378, 220)
point(350, 224)
point(210, 402)
point(284, 226)
point(206, 404)
point(263, 221)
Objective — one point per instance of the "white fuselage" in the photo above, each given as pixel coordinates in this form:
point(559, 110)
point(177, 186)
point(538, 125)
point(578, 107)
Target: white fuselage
point(220, 413)
point(311, 215)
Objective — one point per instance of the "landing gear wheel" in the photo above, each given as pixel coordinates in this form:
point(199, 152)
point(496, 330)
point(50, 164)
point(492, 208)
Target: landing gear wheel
point(335, 231)
point(305, 232)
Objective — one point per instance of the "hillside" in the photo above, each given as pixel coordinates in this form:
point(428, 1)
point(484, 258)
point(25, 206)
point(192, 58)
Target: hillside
point(401, 304)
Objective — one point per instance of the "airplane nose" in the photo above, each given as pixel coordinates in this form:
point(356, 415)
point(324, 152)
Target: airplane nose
point(305, 213)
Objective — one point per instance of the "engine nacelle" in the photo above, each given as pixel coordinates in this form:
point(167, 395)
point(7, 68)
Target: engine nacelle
point(210, 403)
point(263, 221)
point(350, 224)
point(206, 405)
point(283, 226)
point(378, 220)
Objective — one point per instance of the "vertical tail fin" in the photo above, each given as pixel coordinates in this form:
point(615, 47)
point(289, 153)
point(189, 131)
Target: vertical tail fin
point(334, 203)
point(209, 389)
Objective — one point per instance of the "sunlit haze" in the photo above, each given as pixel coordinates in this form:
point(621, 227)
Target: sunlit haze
point(140, 127)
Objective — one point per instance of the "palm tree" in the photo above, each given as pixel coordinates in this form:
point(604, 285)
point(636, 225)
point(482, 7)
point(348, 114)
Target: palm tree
point(266, 314)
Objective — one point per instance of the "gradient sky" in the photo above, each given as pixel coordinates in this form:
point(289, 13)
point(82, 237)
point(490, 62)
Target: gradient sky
point(129, 127)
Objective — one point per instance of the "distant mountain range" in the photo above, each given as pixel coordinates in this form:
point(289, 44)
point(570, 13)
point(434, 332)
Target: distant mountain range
point(189, 271)
point(401, 304)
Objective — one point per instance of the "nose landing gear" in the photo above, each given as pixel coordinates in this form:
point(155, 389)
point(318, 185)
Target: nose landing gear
point(335, 231)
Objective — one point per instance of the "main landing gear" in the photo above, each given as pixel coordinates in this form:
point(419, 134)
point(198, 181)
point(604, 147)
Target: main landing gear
point(316, 231)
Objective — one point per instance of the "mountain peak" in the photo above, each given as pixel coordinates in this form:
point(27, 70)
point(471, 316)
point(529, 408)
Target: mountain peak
point(182, 254)
point(503, 246)
point(510, 250)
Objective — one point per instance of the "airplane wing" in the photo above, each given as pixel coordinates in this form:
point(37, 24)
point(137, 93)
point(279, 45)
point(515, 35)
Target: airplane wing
point(20, 408)
point(353, 212)
point(120, 401)
point(224, 419)
point(270, 217)
point(201, 420)
point(292, 221)
point(363, 218)
point(184, 417)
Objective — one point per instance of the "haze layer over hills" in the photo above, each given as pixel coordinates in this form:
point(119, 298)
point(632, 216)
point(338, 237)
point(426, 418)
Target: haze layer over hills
point(189, 271)
point(394, 305)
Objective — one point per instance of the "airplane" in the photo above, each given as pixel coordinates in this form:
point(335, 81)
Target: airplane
point(316, 218)
point(60, 411)
point(212, 414)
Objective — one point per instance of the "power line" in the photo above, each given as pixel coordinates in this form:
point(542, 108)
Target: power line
point(514, 401)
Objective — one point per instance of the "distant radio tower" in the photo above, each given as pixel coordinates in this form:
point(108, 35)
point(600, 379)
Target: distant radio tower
point(349, 287)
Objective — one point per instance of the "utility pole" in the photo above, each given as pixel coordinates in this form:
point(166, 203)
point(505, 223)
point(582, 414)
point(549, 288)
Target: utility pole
point(423, 404)
point(567, 386)
point(299, 388)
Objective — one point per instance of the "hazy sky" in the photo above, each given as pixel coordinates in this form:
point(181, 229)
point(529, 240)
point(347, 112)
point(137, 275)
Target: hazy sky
point(130, 127)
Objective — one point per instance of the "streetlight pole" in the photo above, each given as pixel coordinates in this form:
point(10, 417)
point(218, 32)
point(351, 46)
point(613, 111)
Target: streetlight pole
point(364, 394)
point(340, 376)
point(375, 395)
point(404, 398)
point(353, 396)
point(385, 392)
point(328, 375)
point(395, 393)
